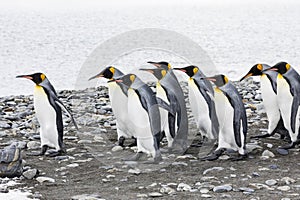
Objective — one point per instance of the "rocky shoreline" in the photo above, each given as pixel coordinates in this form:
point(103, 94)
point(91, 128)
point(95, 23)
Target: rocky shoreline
point(92, 167)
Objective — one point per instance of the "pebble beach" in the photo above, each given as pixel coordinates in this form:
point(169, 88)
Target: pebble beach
point(92, 167)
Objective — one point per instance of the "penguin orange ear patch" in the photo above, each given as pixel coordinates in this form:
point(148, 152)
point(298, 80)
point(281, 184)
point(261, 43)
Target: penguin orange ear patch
point(112, 69)
point(287, 66)
point(195, 70)
point(226, 79)
point(259, 67)
point(43, 77)
point(169, 66)
point(132, 77)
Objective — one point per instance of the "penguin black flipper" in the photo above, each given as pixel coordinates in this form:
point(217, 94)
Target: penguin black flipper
point(151, 106)
point(165, 105)
point(55, 102)
point(240, 118)
point(293, 79)
point(206, 90)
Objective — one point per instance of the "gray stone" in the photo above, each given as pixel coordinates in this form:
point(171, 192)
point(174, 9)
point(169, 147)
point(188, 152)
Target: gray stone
point(87, 197)
point(30, 174)
point(245, 189)
point(268, 154)
point(4, 125)
point(288, 180)
point(222, 188)
point(155, 194)
point(73, 165)
point(33, 145)
point(179, 163)
point(212, 169)
point(43, 179)
point(117, 148)
point(135, 171)
point(282, 151)
point(167, 190)
point(183, 187)
point(206, 196)
point(284, 188)
point(271, 182)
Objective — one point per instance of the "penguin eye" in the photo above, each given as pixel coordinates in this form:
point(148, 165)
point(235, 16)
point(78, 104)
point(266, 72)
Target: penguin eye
point(287, 66)
point(163, 73)
point(132, 77)
point(112, 69)
point(195, 70)
point(43, 77)
point(259, 67)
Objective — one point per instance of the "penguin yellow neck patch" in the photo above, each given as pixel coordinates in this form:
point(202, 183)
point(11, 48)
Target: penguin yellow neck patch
point(287, 66)
point(195, 70)
point(279, 76)
point(43, 77)
point(112, 69)
point(259, 67)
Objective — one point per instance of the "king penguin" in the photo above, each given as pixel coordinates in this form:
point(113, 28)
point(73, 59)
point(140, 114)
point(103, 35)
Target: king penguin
point(201, 97)
point(118, 98)
point(268, 85)
point(168, 117)
point(288, 93)
point(48, 111)
point(144, 114)
point(232, 118)
point(172, 88)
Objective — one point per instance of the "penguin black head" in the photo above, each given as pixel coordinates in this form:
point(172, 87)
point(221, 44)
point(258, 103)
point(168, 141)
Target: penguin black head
point(159, 73)
point(108, 73)
point(256, 70)
point(281, 67)
point(37, 78)
point(161, 64)
point(127, 79)
point(189, 70)
point(219, 80)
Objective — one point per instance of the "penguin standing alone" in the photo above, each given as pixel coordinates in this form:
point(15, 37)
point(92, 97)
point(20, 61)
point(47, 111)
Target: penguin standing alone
point(48, 111)
point(288, 93)
point(118, 99)
point(177, 105)
point(268, 85)
point(201, 97)
point(144, 114)
point(232, 119)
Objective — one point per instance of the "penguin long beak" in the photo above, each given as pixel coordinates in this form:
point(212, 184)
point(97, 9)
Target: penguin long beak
point(246, 76)
point(97, 76)
point(147, 70)
point(271, 69)
point(25, 76)
point(213, 79)
point(180, 69)
point(115, 80)
point(154, 63)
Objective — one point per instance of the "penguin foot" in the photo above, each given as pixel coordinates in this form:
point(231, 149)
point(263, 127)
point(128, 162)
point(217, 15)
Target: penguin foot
point(239, 157)
point(42, 152)
point(289, 146)
point(261, 136)
point(53, 153)
point(155, 160)
point(133, 144)
point(214, 156)
point(121, 141)
point(135, 157)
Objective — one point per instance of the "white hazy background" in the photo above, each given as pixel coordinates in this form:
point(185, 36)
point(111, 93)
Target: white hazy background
point(55, 37)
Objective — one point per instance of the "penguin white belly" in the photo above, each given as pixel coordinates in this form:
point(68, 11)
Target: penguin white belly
point(46, 116)
point(119, 107)
point(200, 110)
point(160, 92)
point(270, 103)
point(285, 100)
point(225, 114)
point(140, 121)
